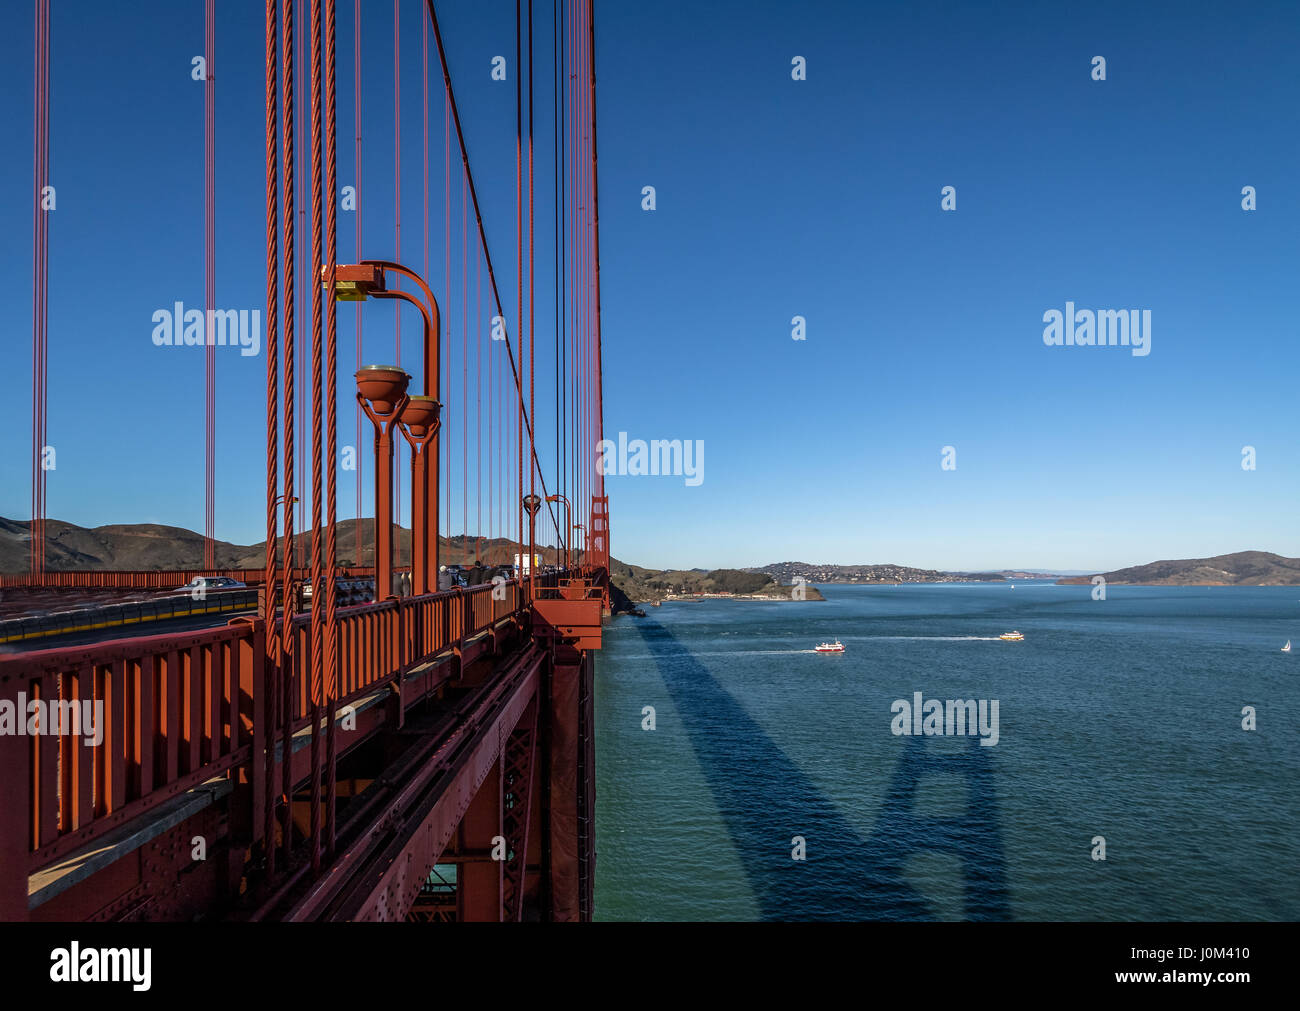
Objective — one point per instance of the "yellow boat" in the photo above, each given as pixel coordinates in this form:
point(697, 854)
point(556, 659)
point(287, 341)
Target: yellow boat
point(1011, 637)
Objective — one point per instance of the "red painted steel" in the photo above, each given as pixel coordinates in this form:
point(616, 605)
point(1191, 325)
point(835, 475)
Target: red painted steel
point(419, 426)
point(433, 804)
point(518, 775)
point(163, 579)
point(478, 699)
point(179, 710)
point(381, 392)
point(431, 317)
point(172, 718)
point(570, 612)
point(210, 282)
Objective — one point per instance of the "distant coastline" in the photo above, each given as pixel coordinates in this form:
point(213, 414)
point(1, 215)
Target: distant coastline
point(775, 581)
point(150, 546)
point(1242, 568)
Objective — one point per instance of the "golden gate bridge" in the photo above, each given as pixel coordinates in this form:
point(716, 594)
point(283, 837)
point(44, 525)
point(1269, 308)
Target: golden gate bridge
point(425, 752)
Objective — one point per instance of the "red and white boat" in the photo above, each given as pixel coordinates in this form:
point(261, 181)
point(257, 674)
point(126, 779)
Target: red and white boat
point(830, 647)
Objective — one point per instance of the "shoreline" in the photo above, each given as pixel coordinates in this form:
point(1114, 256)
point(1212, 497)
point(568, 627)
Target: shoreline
point(1230, 586)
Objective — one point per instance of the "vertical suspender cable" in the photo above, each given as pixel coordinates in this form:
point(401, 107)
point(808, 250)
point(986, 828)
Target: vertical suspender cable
point(464, 358)
point(519, 270)
point(209, 288)
point(478, 394)
point(532, 342)
point(587, 266)
point(317, 623)
point(572, 246)
point(397, 199)
point(356, 113)
point(330, 453)
point(562, 257)
point(304, 266)
point(432, 577)
point(289, 444)
point(446, 275)
point(269, 573)
point(599, 433)
point(424, 93)
point(555, 60)
point(40, 281)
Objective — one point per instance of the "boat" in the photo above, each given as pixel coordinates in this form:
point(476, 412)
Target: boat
point(1011, 637)
point(1287, 647)
point(830, 647)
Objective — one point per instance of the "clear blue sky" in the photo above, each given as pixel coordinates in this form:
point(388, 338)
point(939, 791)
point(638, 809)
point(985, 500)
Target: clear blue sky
point(775, 198)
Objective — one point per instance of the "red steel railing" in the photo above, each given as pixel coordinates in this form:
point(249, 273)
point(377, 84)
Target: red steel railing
point(160, 579)
point(180, 709)
point(169, 711)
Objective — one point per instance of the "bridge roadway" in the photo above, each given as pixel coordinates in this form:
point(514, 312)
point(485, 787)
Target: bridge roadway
point(163, 626)
point(460, 733)
point(51, 617)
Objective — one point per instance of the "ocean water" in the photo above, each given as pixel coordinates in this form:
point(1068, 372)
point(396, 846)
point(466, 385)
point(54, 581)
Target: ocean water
point(1119, 718)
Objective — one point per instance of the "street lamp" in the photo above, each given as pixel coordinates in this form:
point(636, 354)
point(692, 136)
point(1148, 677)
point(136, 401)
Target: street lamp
point(355, 282)
point(568, 518)
point(532, 503)
point(419, 423)
point(381, 392)
point(579, 526)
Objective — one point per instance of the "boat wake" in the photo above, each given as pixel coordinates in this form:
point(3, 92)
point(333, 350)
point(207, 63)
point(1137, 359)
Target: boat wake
point(813, 652)
point(936, 638)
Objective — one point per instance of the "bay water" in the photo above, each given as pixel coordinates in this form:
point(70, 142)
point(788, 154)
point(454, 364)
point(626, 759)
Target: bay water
point(1120, 723)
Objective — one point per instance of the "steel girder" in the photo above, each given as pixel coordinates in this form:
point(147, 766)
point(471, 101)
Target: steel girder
point(378, 876)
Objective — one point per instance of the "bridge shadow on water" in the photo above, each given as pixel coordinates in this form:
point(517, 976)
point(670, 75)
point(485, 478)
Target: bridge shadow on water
point(766, 800)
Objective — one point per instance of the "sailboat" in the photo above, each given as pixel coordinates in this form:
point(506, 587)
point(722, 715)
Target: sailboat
point(1287, 647)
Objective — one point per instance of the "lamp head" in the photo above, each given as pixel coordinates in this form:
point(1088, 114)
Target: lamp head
point(383, 386)
point(353, 282)
point(420, 414)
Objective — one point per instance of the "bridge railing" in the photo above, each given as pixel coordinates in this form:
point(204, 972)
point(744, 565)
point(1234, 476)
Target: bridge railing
point(176, 710)
point(159, 579)
point(102, 733)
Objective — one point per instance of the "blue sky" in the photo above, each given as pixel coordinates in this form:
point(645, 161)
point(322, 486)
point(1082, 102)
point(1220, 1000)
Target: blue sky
point(775, 198)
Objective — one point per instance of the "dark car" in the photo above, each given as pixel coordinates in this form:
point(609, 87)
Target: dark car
point(205, 583)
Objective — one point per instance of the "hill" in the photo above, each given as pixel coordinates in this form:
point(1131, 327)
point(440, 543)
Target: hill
point(1242, 568)
point(152, 546)
point(884, 572)
point(642, 586)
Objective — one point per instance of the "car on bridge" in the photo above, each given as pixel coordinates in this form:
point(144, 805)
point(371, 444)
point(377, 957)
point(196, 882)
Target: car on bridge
point(205, 583)
point(350, 592)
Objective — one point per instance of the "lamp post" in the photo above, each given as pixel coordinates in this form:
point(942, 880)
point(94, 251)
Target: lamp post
point(579, 526)
point(419, 424)
point(381, 392)
point(531, 504)
point(355, 282)
point(568, 519)
point(287, 501)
